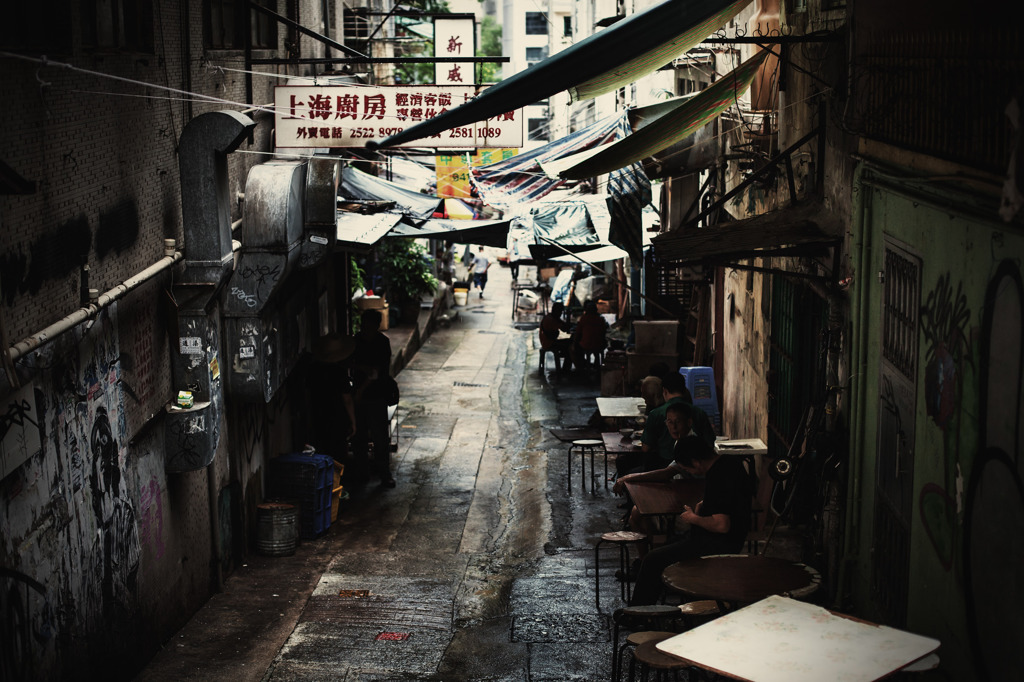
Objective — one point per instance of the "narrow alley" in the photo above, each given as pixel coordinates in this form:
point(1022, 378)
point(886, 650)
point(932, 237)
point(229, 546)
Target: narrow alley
point(477, 566)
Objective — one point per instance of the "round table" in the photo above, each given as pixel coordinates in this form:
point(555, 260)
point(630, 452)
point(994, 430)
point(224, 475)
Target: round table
point(740, 578)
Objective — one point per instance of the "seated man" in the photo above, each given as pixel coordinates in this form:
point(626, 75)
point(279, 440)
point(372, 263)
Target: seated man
point(718, 524)
point(590, 333)
point(550, 326)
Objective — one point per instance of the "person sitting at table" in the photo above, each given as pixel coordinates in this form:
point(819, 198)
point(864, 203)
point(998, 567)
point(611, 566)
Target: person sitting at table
point(717, 525)
point(589, 336)
point(657, 444)
point(550, 326)
point(679, 424)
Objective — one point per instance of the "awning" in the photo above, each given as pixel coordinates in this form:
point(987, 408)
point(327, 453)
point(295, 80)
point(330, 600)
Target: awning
point(520, 178)
point(357, 231)
point(483, 232)
point(455, 209)
point(599, 255)
point(666, 124)
point(356, 184)
point(607, 60)
point(804, 229)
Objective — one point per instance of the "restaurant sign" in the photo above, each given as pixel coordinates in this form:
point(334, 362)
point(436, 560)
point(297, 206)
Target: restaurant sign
point(350, 116)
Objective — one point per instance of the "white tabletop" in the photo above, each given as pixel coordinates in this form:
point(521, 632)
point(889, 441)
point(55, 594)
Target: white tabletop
point(782, 640)
point(620, 407)
point(741, 446)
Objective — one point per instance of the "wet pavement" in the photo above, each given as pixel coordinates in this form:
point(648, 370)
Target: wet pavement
point(477, 566)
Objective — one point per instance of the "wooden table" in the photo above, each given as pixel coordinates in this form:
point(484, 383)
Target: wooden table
point(620, 407)
point(740, 578)
point(615, 445)
point(780, 640)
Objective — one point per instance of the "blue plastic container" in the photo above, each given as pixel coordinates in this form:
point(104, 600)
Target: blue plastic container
point(307, 480)
point(701, 383)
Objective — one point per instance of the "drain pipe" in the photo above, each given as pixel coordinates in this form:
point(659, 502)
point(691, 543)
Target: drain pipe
point(171, 256)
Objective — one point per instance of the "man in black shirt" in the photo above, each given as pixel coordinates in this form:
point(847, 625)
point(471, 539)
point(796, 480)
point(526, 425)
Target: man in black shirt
point(718, 524)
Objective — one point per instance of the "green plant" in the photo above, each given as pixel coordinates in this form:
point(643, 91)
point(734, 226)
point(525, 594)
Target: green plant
point(405, 267)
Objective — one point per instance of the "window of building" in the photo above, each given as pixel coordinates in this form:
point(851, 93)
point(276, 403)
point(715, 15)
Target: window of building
point(536, 54)
point(37, 27)
point(537, 129)
point(536, 23)
point(224, 28)
point(118, 25)
point(567, 26)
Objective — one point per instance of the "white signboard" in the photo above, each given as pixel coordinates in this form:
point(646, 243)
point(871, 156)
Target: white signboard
point(350, 116)
point(454, 38)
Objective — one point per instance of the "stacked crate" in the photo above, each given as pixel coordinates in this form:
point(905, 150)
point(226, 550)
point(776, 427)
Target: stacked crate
point(305, 479)
point(701, 383)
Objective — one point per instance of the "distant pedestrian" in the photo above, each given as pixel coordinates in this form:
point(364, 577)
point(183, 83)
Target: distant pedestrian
point(480, 266)
point(515, 255)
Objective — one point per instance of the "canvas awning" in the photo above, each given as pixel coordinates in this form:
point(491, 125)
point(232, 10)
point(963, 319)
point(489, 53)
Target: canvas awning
point(483, 232)
point(607, 60)
point(601, 254)
point(662, 126)
point(804, 229)
point(357, 231)
point(355, 184)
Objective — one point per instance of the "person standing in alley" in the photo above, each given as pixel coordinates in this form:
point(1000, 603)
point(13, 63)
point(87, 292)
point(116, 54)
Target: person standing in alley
point(514, 256)
point(480, 266)
point(373, 391)
point(330, 396)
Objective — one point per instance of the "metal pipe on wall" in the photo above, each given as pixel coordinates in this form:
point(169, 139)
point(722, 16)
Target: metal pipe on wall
point(36, 340)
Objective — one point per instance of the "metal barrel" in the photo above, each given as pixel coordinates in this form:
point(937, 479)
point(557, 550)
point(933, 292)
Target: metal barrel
point(277, 528)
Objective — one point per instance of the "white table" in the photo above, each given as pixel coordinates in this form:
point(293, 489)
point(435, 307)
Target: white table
point(782, 640)
point(741, 446)
point(620, 407)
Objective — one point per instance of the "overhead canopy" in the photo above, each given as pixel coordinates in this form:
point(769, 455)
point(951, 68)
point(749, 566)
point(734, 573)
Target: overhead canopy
point(357, 231)
point(663, 126)
point(484, 232)
point(599, 255)
point(568, 224)
point(355, 184)
point(520, 178)
point(802, 229)
point(608, 59)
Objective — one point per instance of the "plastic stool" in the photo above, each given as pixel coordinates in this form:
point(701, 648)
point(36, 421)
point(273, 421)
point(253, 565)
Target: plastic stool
point(652, 658)
point(644, 617)
point(622, 538)
point(584, 447)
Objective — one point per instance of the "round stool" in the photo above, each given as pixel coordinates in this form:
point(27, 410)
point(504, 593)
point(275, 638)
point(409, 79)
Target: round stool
point(652, 658)
point(699, 612)
point(639, 618)
point(584, 447)
point(622, 538)
point(635, 639)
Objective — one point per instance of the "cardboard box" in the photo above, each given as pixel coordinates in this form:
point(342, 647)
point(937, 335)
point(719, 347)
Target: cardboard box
point(604, 307)
point(371, 302)
point(544, 274)
point(656, 337)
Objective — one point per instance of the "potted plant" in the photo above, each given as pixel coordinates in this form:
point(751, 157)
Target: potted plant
point(405, 267)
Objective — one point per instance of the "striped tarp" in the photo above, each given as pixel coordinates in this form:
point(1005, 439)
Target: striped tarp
point(629, 191)
point(669, 128)
point(521, 179)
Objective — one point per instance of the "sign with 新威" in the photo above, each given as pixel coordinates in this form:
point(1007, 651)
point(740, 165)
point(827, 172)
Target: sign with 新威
point(317, 116)
point(454, 36)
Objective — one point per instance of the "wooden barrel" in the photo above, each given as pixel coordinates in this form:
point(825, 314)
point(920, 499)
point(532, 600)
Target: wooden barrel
point(277, 528)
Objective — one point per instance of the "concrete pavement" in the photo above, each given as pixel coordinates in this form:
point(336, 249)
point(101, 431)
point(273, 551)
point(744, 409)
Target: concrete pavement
point(478, 566)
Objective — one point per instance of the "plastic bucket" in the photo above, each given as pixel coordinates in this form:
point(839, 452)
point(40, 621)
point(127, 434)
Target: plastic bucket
point(460, 296)
point(277, 528)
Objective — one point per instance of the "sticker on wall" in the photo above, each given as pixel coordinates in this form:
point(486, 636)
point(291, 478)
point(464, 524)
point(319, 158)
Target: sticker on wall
point(190, 345)
point(214, 368)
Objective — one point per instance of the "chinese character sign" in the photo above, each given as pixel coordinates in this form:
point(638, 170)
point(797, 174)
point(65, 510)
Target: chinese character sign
point(453, 170)
point(454, 36)
point(350, 116)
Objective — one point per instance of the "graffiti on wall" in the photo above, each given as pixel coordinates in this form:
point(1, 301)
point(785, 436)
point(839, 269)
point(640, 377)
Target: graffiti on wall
point(151, 517)
point(26, 622)
point(945, 317)
point(19, 429)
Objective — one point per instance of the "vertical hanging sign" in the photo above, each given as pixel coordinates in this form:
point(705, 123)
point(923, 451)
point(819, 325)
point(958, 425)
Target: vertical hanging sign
point(455, 36)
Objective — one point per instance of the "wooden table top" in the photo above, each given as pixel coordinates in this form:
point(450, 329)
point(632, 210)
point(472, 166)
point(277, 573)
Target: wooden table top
point(664, 499)
point(620, 407)
point(780, 640)
point(615, 445)
point(739, 578)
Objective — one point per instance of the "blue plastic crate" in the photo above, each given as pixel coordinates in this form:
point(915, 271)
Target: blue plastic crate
point(701, 383)
point(307, 480)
